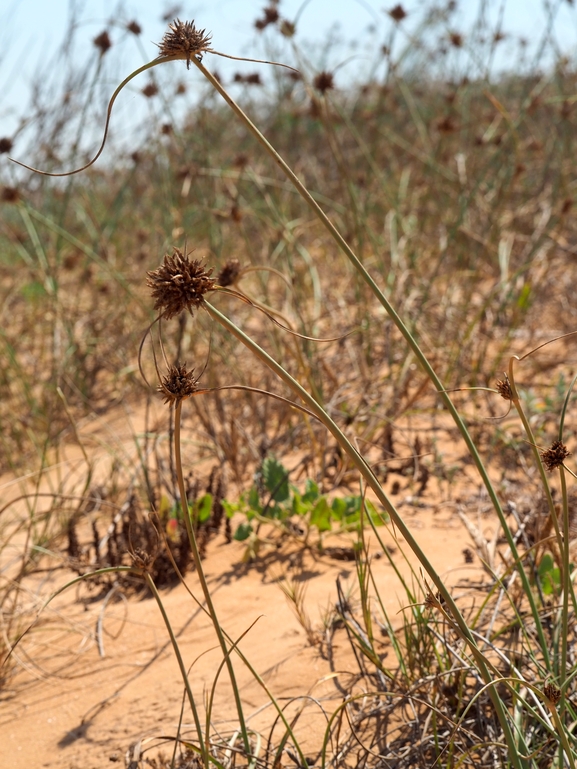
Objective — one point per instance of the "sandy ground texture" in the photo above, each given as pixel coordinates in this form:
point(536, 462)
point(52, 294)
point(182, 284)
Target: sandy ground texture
point(94, 677)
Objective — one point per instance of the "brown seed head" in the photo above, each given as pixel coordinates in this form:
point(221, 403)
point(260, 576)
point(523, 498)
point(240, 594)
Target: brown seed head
point(287, 28)
point(10, 195)
point(6, 145)
point(229, 273)
point(134, 27)
point(555, 455)
point(504, 388)
point(178, 384)
point(397, 13)
point(324, 81)
point(150, 90)
point(179, 284)
point(184, 41)
point(103, 42)
point(552, 692)
point(456, 39)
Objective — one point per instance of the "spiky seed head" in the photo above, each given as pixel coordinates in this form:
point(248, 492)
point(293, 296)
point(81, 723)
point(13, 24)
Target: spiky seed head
point(552, 692)
point(324, 81)
point(397, 13)
point(555, 455)
point(178, 383)
point(229, 273)
point(179, 284)
point(504, 388)
point(184, 41)
point(5, 145)
point(456, 39)
point(103, 42)
point(150, 90)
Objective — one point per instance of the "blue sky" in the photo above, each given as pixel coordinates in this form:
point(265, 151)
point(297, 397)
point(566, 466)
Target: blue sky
point(31, 31)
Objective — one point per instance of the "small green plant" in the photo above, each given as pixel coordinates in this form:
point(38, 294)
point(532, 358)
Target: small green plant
point(272, 499)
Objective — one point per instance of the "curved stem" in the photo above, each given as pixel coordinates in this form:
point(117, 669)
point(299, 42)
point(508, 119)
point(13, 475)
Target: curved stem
point(367, 473)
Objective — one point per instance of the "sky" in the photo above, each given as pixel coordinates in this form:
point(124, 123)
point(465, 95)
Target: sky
point(31, 32)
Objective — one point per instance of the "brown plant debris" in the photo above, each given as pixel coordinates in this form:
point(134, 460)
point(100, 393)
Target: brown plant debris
point(178, 383)
point(555, 455)
point(179, 284)
point(184, 41)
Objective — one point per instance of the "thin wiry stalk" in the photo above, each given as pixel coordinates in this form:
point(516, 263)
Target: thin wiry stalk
point(203, 747)
point(372, 481)
point(202, 577)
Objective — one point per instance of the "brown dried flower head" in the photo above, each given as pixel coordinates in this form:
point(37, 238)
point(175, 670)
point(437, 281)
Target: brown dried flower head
point(456, 39)
point(504, 388)
point(10, 195)
point(150, 90)
point(184, 41)
point(397, 13)
point(179, 284)
point(178, 383)
point(103, 42)
point(134, 27)
point(324, 81)
point(5, 145)
point(552, 692)
point(555, 455)
point(229, 273)
point(270, 16)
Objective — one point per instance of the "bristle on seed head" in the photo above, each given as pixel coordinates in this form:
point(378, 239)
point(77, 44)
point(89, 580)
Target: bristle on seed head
point(184, 41)
point(179, 284)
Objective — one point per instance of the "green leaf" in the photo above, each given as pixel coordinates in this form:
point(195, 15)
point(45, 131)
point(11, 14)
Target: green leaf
point(254, 501)
point(321, 515)
point(275, 478)
point(311, 491)
point(243, 532)
point(547, 563)
point(339, 509)
point(300, 505)
point(230, 508)
point(203, 508)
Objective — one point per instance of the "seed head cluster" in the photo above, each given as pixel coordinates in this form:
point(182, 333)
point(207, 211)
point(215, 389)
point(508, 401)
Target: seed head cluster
point(184, 40)
point(555, 455)
point(179, 284)
point(178, 383)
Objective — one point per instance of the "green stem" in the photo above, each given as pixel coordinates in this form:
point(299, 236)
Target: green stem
point(202, 578)
point(204, 749)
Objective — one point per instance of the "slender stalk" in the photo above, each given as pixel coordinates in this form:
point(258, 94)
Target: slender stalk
point(202, 578)
point(365, 470)
point(183, 671)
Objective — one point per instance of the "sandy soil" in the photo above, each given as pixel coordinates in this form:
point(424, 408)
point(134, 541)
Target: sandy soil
point(72, 705)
